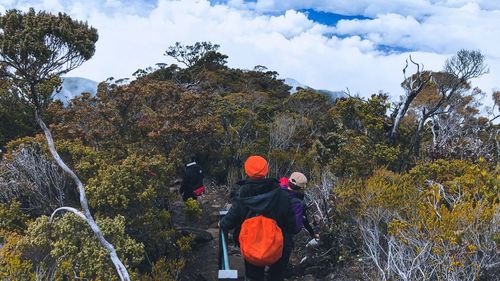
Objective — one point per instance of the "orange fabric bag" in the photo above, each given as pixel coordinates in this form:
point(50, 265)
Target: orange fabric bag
point(261, 241)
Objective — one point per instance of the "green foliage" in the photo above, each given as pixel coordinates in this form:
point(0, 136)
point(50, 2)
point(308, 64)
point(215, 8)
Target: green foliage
point(12, 264)
point(67, 248)
point(171, 269)
point(164, 270)
point(45, 31)
point(192, 207)
point(190, 55)
point(19, 143)
point(130, 141)
point(16, 114)
point(38, 47)
point(12, 219)
point(136, 189)
point(83, 159)
point(358, 142)
point(441, 215)
point(40, 44)
point(310, 104)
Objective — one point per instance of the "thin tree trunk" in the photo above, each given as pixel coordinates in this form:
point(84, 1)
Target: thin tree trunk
point(120, 268)
point(416, 144)
point(497, 142)
point(397, 119)
point(413, 88)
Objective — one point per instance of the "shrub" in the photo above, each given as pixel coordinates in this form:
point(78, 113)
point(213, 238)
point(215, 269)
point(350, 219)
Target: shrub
point(438, 221)
point(136, 188)
point(192, 207)
point(66, 249)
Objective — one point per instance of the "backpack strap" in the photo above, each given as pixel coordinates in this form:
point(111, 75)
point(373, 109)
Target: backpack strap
point(252, 214)
point(248, 213)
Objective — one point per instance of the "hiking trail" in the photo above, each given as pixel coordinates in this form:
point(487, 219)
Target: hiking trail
point(203, 266)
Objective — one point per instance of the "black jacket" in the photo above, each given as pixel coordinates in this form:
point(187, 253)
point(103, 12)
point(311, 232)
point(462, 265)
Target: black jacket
point(262, 197)
point(193, 178)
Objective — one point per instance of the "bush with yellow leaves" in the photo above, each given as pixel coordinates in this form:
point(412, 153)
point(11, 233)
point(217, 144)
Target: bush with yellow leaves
point(439, 221)
point(66, 249)
point(192, 207)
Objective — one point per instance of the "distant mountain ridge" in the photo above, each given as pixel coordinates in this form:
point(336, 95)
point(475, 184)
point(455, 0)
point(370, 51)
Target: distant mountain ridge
point(296, 84)
point(74, 86)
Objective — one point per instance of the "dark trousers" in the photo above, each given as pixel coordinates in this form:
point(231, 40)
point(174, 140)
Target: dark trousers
point(276, 271)
point(186, 196)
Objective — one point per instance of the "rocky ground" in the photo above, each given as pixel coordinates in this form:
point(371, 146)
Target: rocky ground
point(306, 263)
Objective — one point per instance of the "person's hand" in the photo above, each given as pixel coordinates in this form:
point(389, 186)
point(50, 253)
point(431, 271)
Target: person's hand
point(316, 236)
point(218, 224)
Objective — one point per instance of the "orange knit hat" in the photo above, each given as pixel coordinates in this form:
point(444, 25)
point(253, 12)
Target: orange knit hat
point(256, 167)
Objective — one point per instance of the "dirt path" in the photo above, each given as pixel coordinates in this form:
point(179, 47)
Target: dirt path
point(205, 257)
point(205, 261)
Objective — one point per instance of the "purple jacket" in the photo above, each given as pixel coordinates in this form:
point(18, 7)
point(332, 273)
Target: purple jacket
point(299, 208)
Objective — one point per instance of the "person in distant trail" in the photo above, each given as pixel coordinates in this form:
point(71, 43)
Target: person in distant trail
point(192, 181)
point(261, 200)
point(294, 185)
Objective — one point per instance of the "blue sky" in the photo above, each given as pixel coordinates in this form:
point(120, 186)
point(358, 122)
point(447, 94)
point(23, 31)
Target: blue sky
point(344, 44)
point(328, 18)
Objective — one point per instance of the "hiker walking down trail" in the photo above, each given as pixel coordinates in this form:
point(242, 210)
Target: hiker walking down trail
point(267, 221)
point(192, 181)
point(294, 185)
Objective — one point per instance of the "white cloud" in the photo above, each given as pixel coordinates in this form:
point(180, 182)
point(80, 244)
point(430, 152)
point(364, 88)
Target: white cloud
point(370, 8)
point(134, 35)
point(445, 31)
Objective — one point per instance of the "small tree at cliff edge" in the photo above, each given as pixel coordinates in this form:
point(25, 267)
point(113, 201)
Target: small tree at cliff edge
point(36, 49)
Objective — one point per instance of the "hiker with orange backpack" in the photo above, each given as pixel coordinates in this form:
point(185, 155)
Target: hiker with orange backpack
point(267, 221)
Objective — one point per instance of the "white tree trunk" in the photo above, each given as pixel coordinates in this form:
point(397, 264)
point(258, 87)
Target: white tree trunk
point(85, 214)
point(399, 116)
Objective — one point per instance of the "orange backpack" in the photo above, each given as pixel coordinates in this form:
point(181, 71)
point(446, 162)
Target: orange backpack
point(261, 241)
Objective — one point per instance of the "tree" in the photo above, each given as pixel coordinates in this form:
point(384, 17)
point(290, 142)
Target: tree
point(458, 70)
point(37, 48)
point(435, 92)
point(460, 132)
point(447, 88)
point(200, 59)
point(189, 55)
point(16, 116)
point(358, 142)
point(412, 86)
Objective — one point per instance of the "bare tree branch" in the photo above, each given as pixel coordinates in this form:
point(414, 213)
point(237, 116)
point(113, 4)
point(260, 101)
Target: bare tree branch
point(120, 267)
point(69, 209)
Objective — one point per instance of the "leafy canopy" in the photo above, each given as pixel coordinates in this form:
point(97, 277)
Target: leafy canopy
point(37, 47)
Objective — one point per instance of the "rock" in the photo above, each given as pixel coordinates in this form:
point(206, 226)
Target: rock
point(330, 277)
point(309, 277)
point(203, 200)
point(214, 216)
point(214, 224)
point(203, 266)
point(178, 215)
point(313, 243)
point(214, 232)
point(178, 204)
point(200, 235)
point(313, 270)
